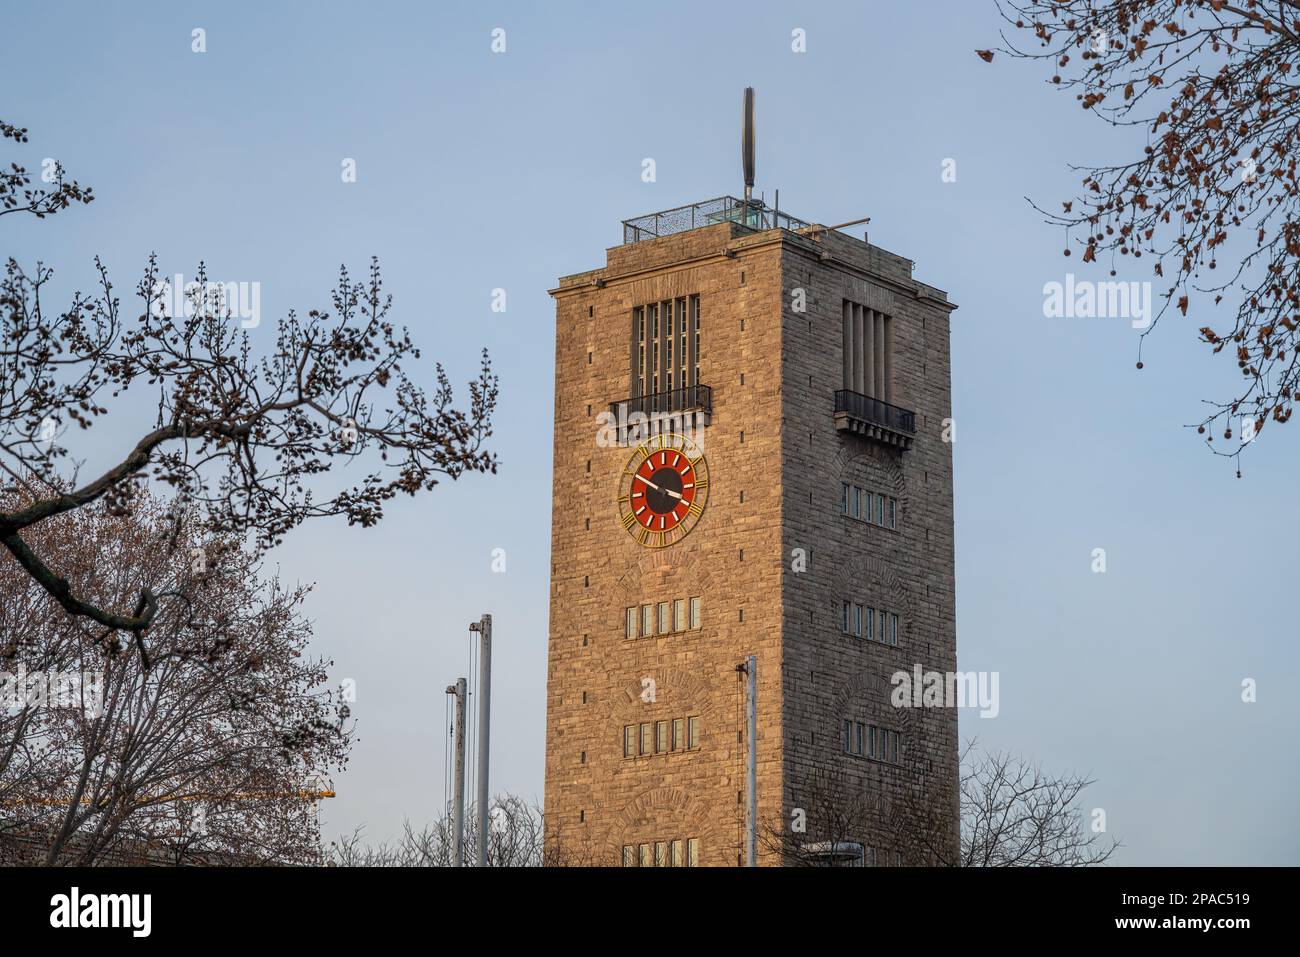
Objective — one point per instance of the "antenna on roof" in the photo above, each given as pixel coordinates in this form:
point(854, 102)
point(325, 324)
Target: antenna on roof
point(747, 143)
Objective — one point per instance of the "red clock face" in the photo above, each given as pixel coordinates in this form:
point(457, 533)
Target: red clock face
point(665, 488)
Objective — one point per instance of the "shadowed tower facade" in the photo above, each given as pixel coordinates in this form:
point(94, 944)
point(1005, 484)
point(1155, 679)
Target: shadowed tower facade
point(750, 459)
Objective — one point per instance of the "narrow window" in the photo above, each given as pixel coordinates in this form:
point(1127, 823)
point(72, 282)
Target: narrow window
point(638, 334)
point(884, 633)
point(695, 328)
point(844, 498)
point(692, 734)
point(665, 626)
point(629, 855)
point(695, 613)
point(857, 502)
point(670, 336)
point(893, 513)
point(677, 854)
point(647, 620)
point(893, 629)
point(629, 625)
point(679, 734)
point(693, 852)
point(871, 857)
point(898, 858)
point(643, 855)
point(871, 741)
point(857, 740)
point(679, 614)
point(661, 853)
point(681, 347)
point(661, 737)
point(857, 620)
point(870, 617)
point(654, 348)
point(880, 510)
point(848, 343)
point(629, 741)
point(646, 743)
point(845, 624)
point(848, 736)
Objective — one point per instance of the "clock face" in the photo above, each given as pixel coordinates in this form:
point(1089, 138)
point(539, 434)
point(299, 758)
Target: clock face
point(664, 490)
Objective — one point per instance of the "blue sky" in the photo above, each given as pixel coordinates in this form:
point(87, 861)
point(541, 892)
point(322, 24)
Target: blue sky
point(478, 171)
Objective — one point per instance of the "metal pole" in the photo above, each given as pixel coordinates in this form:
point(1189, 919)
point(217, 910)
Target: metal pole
point(484, 628)
point(458, 801)
point(751, 770)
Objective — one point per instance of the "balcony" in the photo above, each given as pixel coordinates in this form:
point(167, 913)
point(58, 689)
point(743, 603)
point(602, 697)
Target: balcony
point(677, 410)
point(754, 215)
point(874, 419)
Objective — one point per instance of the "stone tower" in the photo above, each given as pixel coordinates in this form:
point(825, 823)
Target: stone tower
point(750, 458)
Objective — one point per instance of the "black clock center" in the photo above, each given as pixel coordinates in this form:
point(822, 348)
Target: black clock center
point(660, 502)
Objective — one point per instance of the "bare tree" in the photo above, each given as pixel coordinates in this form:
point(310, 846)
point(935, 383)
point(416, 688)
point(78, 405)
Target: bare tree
point(212, 753)
point(1015, 815)
point(431, 846)
point(1012, 814)
point(240, 442)
point(1212, 199)
point(17, 194)
point(835, 815)
point(515, 839)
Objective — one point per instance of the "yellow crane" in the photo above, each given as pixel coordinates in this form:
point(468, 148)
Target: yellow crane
point(303, 795)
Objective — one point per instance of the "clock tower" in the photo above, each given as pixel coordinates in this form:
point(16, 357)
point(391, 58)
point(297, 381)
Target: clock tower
point(751, 458)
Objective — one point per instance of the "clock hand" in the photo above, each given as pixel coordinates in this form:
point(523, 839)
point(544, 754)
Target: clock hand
point(666, 491)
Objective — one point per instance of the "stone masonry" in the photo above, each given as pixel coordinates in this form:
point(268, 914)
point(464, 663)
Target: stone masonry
point(771, 559)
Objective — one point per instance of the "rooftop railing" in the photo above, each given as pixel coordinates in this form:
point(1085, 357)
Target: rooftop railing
point(755, 215)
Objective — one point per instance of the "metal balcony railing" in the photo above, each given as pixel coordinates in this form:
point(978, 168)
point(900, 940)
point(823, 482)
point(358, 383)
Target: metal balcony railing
point(753, 214)
point(693, 398)
point(874, 418)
